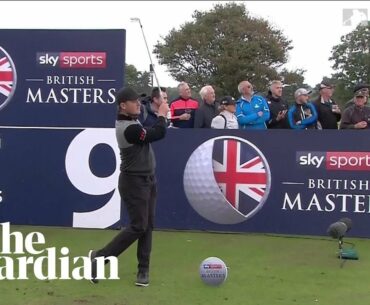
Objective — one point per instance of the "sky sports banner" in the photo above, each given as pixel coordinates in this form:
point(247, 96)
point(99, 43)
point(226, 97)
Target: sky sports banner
point(60, 78)
point(279, 181)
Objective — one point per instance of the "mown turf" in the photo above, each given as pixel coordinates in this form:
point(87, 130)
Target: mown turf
point(263, 270)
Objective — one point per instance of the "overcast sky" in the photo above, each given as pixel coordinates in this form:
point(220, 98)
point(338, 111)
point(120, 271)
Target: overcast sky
point(313, 26)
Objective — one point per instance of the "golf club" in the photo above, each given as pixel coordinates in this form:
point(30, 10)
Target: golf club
point(135, 19)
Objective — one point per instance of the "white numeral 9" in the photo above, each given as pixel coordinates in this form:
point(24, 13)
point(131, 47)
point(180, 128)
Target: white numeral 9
point(80, 174)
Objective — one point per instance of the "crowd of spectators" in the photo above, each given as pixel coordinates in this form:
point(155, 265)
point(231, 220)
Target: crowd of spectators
point(254, 111)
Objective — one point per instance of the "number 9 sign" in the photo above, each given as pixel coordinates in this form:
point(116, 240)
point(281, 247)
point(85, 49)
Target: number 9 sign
point(80, 174)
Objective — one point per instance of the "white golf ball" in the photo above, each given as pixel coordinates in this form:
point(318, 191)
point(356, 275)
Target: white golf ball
point(213, 271)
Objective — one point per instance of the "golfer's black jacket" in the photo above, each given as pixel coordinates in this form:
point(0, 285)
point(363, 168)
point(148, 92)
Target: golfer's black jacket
point(137, 157)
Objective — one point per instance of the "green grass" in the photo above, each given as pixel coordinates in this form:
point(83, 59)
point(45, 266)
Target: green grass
point(263, 270)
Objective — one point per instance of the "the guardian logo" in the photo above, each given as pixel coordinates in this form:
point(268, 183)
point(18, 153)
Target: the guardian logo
point(26, 255)
point(334, 160)
point(72, 60)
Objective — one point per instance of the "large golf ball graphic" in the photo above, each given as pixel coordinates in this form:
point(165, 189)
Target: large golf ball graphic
point(227, 180)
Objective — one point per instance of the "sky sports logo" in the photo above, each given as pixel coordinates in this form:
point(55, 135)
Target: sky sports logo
point(72, 60)
point(335, 160)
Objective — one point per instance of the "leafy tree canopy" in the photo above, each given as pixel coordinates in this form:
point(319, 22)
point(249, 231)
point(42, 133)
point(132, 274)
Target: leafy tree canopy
point(139, 80)
point(223, 47)
point(352, 57)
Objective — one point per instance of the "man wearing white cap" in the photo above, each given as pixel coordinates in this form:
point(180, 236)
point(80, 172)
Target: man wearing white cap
point(303, 114)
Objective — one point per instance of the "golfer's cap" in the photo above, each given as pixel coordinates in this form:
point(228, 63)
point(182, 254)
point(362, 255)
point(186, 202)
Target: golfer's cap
point(126, 94)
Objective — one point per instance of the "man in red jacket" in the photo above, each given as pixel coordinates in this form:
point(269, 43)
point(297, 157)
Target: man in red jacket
point(183, 108)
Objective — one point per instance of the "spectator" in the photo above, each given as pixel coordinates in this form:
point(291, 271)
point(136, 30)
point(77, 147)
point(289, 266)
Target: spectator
point(357, 116)
point(328, 111)
point(183, 108)
point(226, 119)
point(205, 113)
point(149, 107)
point(302, 115)
point(278, 107)
point(252, 110)
point(364, 88)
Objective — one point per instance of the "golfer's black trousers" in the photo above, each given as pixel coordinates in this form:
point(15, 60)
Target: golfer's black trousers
point(139, 194)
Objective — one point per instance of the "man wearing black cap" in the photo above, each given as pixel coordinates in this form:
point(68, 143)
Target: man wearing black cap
point(357, 116)
point(364, 88)
point(328, 111)
point(137, 184)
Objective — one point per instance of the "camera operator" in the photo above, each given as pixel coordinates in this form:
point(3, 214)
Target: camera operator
point(150, 105)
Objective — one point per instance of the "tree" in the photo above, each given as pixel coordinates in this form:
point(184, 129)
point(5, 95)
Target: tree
point(342, 94)
point(140, 81)
point(292, 81)
point(223, 47)
point(351, 61)
point(352, 57)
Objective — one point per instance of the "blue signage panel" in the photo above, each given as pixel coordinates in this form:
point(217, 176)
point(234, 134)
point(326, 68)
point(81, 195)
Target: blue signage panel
point(279, 181)
point(276, 181)
point(60, 78)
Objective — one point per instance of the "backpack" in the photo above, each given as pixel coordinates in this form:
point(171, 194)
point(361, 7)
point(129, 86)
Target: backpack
point(225, 127)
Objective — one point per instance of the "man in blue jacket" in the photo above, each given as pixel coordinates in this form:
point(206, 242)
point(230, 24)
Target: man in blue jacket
point(252, 111)
point(303, 114)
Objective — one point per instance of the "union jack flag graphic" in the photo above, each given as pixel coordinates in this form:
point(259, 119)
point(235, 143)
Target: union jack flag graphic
point(241, 174)
point(7, 78)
